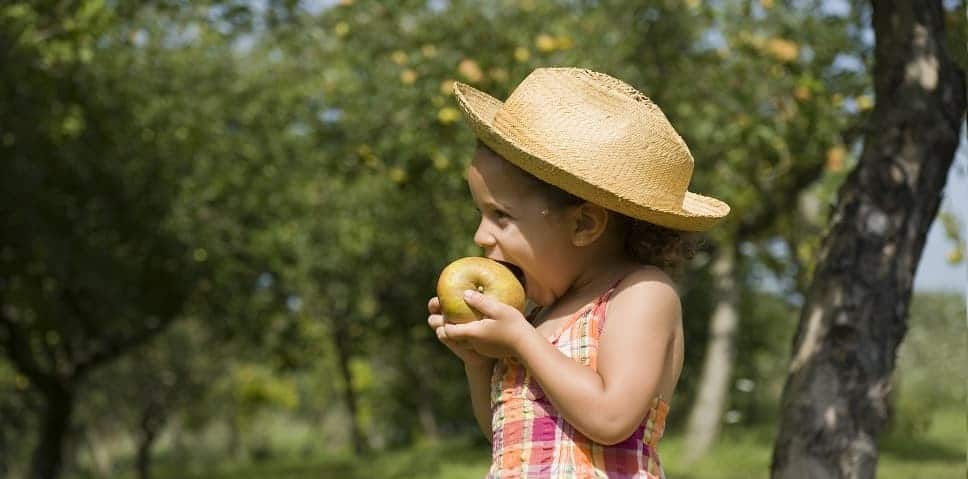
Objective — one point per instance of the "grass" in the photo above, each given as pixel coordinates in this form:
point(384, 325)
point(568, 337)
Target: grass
point(938, 453)
point(743, 453)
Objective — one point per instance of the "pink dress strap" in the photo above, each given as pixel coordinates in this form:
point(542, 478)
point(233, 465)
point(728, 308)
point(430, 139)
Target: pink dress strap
point(597, 302)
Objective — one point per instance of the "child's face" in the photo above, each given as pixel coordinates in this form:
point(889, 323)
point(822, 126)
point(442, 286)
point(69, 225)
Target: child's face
point(520, 227)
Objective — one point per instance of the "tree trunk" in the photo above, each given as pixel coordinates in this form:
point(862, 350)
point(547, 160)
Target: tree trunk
point(342, 340)
point(427, 415)
point(152, 421)
point(234, 445)
point(705, 418)
point(835, 400)
point(143, 461)
point(48, 455)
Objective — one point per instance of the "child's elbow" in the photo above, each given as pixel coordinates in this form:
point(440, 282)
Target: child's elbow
point(613, 432)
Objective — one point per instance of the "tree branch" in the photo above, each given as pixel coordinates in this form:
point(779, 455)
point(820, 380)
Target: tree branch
point(16, 346)
point(114, 347)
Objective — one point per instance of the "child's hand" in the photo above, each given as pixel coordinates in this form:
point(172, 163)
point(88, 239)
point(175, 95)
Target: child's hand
point(497, 334)
point(462, 349)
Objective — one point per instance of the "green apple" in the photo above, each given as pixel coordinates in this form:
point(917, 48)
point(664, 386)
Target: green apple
point(480, 274)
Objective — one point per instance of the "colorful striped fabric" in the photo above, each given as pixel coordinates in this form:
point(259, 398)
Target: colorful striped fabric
point(531, 440)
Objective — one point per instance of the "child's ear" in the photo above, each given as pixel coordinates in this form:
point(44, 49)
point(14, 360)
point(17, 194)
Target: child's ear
point(590, 221)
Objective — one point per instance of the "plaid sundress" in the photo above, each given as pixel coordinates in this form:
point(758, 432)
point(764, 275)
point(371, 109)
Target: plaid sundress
point(531, 440)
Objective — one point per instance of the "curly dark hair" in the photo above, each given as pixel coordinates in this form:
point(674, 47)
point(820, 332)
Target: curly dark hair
point(645, 242)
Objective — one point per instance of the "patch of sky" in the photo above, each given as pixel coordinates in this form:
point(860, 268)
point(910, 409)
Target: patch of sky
point(935, 272)
point(757, 11)
point(438, 6)
point(174, 37)
point(807, 54)
point(216, 15)
point(846, 63)
point(711, 39)
point(764, 279)
point(331, 115)
point(139, 38)
point(835, 8)
point(294, 303)
point(649, 15)
point(316, 7)
point(227, 18)
point(265, 280)
point(243, 43)
point(849, 105)
point(259, 9)
point(863, 33)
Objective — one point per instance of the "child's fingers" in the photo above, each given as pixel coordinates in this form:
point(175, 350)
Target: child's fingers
point(442, 334)
point(434, 305)
point(461, 332)
point(435, 321)
point(490, 307)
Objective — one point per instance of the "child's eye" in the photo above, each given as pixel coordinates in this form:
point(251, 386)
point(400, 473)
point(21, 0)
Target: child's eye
point(497, 214)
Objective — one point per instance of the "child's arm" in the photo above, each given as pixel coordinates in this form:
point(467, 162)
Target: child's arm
point(477, 367)
point(479, 381)
point(609, 404)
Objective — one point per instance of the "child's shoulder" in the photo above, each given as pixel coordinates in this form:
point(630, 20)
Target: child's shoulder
point(648, 278)
point(646, 292)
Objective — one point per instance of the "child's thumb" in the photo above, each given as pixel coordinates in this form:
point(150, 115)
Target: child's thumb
point(487, 305)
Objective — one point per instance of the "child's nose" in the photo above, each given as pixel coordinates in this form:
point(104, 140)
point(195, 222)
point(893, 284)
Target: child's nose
point(482, 237)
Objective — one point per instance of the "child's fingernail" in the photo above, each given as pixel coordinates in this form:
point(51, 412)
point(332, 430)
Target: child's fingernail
point(468, 294)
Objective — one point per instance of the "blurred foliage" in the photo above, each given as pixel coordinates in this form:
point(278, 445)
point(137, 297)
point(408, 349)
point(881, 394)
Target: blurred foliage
point(953, 230)
point(247, 203)
point(930, 362)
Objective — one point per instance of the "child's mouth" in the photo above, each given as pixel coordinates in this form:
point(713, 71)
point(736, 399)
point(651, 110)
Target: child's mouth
point(517, 271)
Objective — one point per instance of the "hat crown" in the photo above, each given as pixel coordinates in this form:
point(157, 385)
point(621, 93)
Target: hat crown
point(597, 126)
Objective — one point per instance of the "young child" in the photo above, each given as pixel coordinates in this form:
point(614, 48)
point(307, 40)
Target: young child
point(582, 184)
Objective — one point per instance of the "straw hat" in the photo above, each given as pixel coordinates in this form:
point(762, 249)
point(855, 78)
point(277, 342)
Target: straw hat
point(595, 137)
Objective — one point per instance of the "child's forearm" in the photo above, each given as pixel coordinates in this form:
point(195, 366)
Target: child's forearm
point(479, 382)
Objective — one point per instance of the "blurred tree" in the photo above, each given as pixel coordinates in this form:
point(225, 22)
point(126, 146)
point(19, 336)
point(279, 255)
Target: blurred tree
point(109, 124)
point(17, 411)
point(146, 387)
point(835, 401)
point(90, 266)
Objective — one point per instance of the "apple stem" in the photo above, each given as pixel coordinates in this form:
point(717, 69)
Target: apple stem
point(480, 288)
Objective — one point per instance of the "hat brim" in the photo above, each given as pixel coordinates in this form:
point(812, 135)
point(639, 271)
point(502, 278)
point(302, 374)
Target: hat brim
point(697, 212)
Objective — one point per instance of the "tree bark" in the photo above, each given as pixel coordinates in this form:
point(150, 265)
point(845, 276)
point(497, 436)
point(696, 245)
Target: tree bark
point(143, 460)
point(152, 421)
point(835, 400)
point(48, 456)
point(705, 419)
